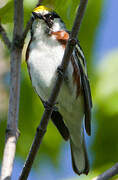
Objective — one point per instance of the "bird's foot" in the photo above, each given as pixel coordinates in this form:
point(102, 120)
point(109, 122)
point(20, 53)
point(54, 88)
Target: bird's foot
point(61, 73)
point(48, 106)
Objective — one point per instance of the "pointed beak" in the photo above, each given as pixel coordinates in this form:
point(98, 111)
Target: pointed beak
point(37, 15)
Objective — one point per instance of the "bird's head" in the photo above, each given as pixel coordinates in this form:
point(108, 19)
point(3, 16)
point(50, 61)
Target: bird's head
point(47, 20)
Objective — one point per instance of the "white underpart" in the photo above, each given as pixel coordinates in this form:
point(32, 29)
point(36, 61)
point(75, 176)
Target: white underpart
point(45, 56)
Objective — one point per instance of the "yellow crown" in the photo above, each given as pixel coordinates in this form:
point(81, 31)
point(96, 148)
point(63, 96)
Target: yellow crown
point(41, 8)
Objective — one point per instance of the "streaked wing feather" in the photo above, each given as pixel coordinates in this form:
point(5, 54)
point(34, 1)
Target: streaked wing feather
point(86, 88)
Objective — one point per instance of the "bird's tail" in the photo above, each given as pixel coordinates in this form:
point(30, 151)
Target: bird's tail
point(79, 157)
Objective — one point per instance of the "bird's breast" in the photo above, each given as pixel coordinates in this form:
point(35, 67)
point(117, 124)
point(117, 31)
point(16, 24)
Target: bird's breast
point(44, 58)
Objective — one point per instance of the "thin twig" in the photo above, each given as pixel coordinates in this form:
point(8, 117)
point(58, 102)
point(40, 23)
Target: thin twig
point(108, 174)
point(39, 2)
point(5, 37)
point(12, 123)
point(77, 23)
point(45, 118)
point(28, 26)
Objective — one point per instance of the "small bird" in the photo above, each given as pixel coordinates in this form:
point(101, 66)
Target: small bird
point(44, 55)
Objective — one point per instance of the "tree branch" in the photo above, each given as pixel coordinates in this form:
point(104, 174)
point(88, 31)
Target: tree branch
point(5, 37)
point(108, 174)
point(12, 123)
point(28, 26)
point(39, 2)
point(46, 115)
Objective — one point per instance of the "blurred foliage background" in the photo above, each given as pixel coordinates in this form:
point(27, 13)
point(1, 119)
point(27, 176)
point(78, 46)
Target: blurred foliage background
point(102, 145)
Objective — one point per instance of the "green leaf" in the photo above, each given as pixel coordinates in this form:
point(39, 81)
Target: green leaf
point(6, 13)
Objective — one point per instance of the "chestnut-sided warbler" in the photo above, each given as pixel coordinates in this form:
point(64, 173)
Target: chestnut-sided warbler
point(44, 55)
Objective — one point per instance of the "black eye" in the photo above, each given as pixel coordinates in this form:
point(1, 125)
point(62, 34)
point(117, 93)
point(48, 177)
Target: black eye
point(49, 17)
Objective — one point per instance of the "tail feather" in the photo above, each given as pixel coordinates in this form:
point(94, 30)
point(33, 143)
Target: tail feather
point(80, 161)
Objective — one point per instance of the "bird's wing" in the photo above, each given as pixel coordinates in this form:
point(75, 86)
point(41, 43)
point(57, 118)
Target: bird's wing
point(85, 86)
point(80, 65)
point(57, 119)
